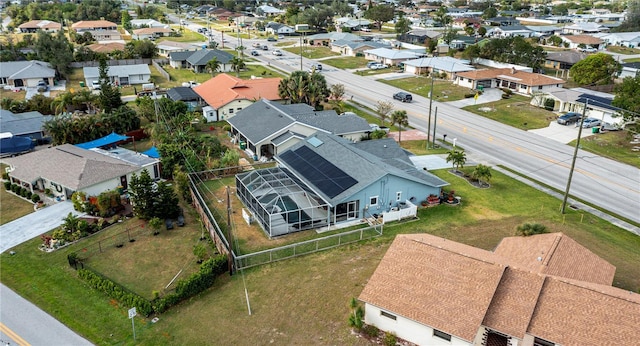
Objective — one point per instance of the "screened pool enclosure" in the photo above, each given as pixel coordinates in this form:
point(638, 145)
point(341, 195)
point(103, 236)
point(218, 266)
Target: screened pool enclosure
point(280, 203)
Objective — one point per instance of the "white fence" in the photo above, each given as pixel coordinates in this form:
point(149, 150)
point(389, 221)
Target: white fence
point(495, 64)
point(409, 210)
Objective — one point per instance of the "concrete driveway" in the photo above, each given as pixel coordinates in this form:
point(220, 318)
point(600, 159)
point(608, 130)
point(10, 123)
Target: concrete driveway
point(488, 95)
point(562, 133)
point(29, 226)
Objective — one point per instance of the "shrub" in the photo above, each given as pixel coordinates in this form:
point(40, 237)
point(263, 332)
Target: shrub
point(549, 104)
point(226, 128)
point(23, 192)
point(7, 185)
point(116, 291)
point(15, 188)
point(468, 96)
point(528, 229)
point(28, 195)
point(390, 339)
point(35, 198)
point(5, 175)
point(370, 331)
point(47, 192)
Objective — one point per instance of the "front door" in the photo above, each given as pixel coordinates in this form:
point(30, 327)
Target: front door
point(352, 210)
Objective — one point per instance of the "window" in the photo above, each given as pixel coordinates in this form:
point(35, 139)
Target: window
point(441, 335)
point(238, 109)
point(230, 110)
point(398, 196)
point(540, 87)
point(373, 200)
point(542, 342)
point(388, 315)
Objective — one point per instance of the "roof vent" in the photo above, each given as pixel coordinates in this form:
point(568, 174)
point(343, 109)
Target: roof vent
point(539, 259)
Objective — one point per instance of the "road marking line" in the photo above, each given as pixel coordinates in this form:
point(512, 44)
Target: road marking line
point(15, 337)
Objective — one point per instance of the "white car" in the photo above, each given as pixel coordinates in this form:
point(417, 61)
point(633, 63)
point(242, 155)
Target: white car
point(378, 66)
point(277, 52)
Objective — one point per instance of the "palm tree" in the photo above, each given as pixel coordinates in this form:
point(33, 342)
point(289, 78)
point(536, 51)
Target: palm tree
point(481, 173)
point(401, 119)
point(457, 159)
point(61, 103)
point(213, 66)
point(237, 64)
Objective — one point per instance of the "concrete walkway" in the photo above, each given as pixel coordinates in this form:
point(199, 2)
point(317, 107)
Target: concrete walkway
point(32, 225)
point(488, 95)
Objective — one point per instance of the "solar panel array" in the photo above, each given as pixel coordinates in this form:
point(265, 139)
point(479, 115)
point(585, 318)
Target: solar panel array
point(330, 179)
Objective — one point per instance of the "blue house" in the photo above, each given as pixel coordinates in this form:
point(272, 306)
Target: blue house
point(326, 181)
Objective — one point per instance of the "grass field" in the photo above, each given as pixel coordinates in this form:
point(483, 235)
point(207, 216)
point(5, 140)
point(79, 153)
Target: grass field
point(444, 91)
point(302, 300)
point(515, 111)
point(614, 145)
point(623, 50)
point(346, 62)
point(12, 207)
point(312, 52)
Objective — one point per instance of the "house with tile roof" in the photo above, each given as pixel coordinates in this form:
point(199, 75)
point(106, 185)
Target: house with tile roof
point(120, 74)
point(539, 290)
point(268, 128)
point(521, 82)
point(66, 168)
point(34, 26)
point(21, 74)
point(325, 181)
point(226, 95)
point(93, 25)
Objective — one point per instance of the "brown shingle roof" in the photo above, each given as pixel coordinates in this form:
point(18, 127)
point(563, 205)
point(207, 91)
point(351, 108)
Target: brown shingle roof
point(522, 77)
point(40, 24)
point(584, 39)
point(106, 47)
point(223, 88)
point(93, 24)
point(436, 282)
point(559, 255)
point(68, 165)
point(147, 31)
point(573, 313)
point(444, 285)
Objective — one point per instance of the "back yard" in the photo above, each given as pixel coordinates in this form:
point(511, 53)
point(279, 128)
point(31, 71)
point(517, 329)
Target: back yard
point(298, 301)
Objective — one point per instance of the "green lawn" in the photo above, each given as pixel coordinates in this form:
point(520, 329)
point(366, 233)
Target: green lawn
point(12, 207)
point(314, 288)
point(614, 145)
point(346, 62)
point(516, 112)
point(443, 90)
point(632, 60)
point(312, 52)
point(623, 50)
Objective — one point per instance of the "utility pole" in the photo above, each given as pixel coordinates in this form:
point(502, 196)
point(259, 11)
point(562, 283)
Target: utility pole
point(573, 161)
point(435, 123)
point(430, 103)
point(301, 69)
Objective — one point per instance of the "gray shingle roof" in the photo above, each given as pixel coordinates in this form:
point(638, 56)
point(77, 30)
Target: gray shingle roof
point(260, 120)
point(180, 56)
point(26, 69)
point(182, 94)
point(334, 123)
point(202, 57)
point(70, 166)
point(365, 167)
point(118, 70)
point(22, 123)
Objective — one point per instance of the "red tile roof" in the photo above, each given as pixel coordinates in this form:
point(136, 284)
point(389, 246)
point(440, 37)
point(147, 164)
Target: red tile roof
point(224, 88)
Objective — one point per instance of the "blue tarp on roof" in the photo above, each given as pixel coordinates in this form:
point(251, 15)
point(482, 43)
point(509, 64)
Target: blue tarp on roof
point(152, 152)
point(104, 141)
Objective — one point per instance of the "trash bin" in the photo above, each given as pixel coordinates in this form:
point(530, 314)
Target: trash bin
point(595, 129)
point(81, 84)
point(481, 87)
point(243, 145)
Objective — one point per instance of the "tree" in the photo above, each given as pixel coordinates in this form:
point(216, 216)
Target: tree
point(56, 50)
point(383, 108)
point(596, 69)
point(212, 66)
point(627, 96)
point(490, 12)
point(472, 52)
point(165, 201)
point(401, 119)
point(302, 87)
point(457, 159)
point(200, 251)
point(379, 14)
point(142, 195)
point(357, 314)
point(528, 229)
point(110, 97)
point(155, 223)
point(403, 25)
point(482, 31)
point(237, 64)
point(632, 22)
point(514, 50)
point(481, 173)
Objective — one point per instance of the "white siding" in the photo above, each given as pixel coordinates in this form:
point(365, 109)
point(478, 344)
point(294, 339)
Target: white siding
point(407, 329)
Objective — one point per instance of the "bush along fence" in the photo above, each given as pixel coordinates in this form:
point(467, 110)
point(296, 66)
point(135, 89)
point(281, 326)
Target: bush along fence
point(195, 284)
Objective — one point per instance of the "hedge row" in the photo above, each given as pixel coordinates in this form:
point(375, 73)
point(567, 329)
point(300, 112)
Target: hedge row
point(187, 288)
point(21, 191)
point(116, 291)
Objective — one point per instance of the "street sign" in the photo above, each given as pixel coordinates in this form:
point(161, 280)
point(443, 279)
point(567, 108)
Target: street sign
point(132, 312)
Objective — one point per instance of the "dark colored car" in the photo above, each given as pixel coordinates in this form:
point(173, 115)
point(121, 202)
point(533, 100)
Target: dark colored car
point(272, 39)
point(403, 96)
point(569, 118)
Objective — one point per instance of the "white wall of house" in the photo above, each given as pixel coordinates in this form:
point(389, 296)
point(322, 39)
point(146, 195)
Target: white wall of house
point(232, 108)
point(99, 188)
point(407, 329)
